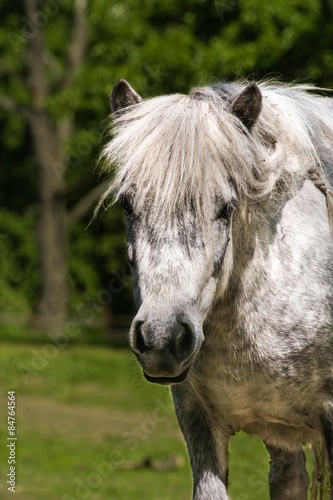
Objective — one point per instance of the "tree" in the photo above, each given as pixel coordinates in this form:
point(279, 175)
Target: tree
point(50, 137)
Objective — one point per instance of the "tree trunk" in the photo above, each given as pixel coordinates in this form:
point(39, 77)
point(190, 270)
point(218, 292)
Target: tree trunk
point(49, 140)
point(52, 310)
point(53, 305)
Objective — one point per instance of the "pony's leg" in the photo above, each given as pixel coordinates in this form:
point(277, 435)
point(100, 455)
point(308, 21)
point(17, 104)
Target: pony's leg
point(208, 448)
point(288, 479)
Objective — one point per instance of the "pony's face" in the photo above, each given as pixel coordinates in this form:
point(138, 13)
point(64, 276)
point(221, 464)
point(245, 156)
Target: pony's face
point(178, 267)
point(179, 242)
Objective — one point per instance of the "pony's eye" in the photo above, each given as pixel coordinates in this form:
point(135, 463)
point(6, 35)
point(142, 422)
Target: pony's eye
point(126, 205)
point(225, 212)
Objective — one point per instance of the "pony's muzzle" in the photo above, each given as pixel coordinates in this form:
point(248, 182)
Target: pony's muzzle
point(164, 356)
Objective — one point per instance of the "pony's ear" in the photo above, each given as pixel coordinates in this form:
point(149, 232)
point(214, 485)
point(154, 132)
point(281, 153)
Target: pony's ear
point(123, 96)
point(247, 105)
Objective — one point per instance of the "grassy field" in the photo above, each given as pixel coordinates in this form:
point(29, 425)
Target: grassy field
point(90, 428)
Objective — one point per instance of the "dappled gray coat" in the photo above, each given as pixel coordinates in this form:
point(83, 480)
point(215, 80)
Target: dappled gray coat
point(227, 200)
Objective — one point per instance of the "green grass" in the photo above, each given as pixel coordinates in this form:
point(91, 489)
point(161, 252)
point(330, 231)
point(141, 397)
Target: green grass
point(84, 414)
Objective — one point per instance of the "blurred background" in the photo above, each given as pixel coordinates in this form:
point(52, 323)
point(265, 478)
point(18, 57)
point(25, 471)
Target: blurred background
point(88, 427)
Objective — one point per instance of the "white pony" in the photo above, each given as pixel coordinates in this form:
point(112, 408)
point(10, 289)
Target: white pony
point(228, 204)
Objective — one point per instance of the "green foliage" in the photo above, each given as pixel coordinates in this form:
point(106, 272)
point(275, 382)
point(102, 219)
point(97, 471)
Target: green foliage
point(264, 32)
point(84, 279)
point(18, 266)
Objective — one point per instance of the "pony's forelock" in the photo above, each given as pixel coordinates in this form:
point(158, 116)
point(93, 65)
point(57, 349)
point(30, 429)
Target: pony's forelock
point(175, 149)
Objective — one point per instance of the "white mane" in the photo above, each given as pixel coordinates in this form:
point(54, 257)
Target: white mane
point(177, 147)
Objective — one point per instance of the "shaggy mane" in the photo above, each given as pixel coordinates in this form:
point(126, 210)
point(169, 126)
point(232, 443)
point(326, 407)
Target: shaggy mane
point(180, 149)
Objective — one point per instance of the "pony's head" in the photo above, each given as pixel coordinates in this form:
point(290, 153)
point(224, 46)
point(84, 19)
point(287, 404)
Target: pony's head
point(176, 156)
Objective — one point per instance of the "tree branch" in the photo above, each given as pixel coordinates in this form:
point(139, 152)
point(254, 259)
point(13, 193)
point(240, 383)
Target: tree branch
point(82, 207)
point(78, 44)
point(8, 104)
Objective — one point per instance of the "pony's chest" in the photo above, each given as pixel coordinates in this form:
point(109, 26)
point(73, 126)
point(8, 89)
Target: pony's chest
point(254, 394)
point(280, 414)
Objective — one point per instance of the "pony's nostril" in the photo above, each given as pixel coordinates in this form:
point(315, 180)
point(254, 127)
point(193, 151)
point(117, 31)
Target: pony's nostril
point(183, 341)
point(188, 338)
point(138, 340)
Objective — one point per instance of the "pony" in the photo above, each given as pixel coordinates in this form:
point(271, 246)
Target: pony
point(228, 206)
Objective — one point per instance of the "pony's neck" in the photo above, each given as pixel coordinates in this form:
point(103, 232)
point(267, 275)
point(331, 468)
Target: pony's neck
point(254, 228)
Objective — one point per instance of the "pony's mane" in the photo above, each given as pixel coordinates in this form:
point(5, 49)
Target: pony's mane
point(179, 148)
